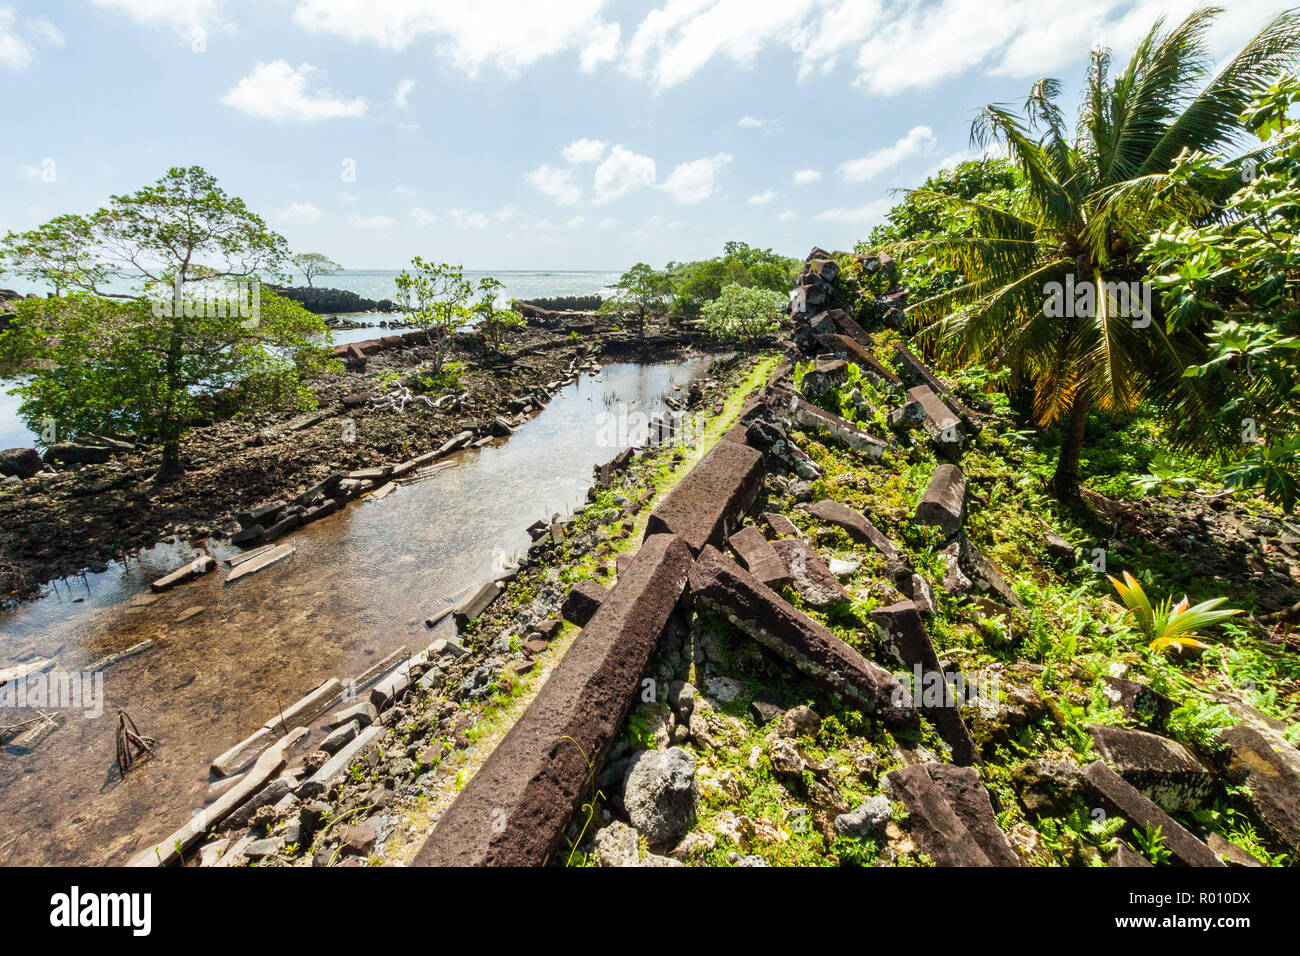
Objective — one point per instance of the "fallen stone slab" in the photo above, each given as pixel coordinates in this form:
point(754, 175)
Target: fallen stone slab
point(1230, 853)
point(1162, 769)
point(308, 707)
point(362, 712)
point(860, 355)
point(1274, 788)
point(935, 826)
point(583, 601)
point(978, 572)
point(267, 767)
point(260, 513)
point(780, 525)
point(919, 372)
point(282, 527)
point(755, 609)
point(970, 800)
point(944, 428)
point(391, 686)
point(68, 453)
point(25, 669)
point(1138, 702)
point(858, 527)
point(243, 753)
point(844, 322)
point(903, 632)
point(340, 737)
point(201, 565)
point(825, 375)
point(514, 810)
point(707, 505)
point(814, 581)
point(944, 502)
point(760, 558)
point(261, 563)
point(477, 601)
point(318, 783)
point(1114, 796)
point(803, 413)
point(1126, 856)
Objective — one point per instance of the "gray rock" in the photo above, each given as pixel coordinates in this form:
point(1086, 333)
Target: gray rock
point(616, 845)
point(867, 820)
point(661, 795)
point(20, 462)
point(261, 849)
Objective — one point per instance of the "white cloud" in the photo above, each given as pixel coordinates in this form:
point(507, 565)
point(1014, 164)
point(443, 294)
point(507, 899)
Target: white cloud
point(693, 182)
point(276, 91)
point(470, 33)
point(601, 47)
point(16, 51)
point(469, 220)
point(422, 216)
point(805, 176)
point(370, 222)
point(557, 183)
point(481, 220)
point(299, 214)
point(919, 141)
point(191, 19)
point(585, 150)
point(575, 222)
point(607, 223)
point(762, 199)
point(788, 215)
point(679, 38)
point(751, 122)
point(348, 197)
point(871, 212)
point(622, 171)
point(402, 92)
point(400, 190)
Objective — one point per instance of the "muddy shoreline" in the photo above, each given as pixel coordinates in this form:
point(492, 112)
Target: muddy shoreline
point(90, 517)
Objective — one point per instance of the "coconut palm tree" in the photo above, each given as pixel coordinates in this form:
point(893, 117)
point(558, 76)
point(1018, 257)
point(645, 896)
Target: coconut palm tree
point(1087, 206)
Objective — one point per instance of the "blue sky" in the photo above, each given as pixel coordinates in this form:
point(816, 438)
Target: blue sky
point(552, 134)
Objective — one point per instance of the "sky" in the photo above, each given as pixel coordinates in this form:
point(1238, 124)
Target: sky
point(533, 134)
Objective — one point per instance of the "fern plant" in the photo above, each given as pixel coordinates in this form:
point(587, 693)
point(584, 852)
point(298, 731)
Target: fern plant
point(1169, 626)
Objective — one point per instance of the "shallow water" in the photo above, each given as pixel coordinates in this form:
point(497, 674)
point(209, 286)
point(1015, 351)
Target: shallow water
point(359, 587)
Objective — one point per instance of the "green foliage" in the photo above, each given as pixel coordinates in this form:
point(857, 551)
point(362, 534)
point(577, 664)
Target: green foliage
point(1083, 213)
point(100, 365)
point(693, 284)
point(743, 314)
point(435, 298)
point(313, 264)
point(1237, 277)
point(493, 322)
point(640, 293)
point(1151, 843)
point(1169, 626)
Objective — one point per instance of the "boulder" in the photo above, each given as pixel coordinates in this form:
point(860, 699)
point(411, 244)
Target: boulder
point(867, 820)
point(858, 528)
point(661, 795)
point(69, 453)
point(1274, 788)
point(1162, 769)
point(20, 462)
point(1139, 703)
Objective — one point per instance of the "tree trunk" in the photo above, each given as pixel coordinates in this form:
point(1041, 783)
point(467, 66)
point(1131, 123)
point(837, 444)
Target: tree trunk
point(171, 467)
point(1065, 482)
